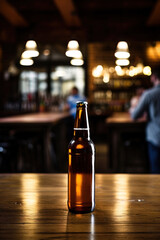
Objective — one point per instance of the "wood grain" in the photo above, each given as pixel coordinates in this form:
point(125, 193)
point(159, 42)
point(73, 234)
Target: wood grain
point(34, 206)
point(35, 118)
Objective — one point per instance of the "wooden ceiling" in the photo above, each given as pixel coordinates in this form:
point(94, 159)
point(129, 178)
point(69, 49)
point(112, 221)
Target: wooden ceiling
point(89, 21)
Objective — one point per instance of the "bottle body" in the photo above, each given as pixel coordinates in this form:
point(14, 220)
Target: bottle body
point(81, 172)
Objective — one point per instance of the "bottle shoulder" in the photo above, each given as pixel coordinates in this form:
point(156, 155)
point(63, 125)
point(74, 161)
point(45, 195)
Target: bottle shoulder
point(81, 143)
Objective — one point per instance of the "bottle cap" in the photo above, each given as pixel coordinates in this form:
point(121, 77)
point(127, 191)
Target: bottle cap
point(82, 104)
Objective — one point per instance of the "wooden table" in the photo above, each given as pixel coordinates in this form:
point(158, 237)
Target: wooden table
point(126, 143)
point(123, 118)
point(41, 123)
point(34, 119)
point(34, 206)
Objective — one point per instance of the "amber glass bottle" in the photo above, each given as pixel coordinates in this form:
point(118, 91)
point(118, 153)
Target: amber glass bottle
point(81, 165)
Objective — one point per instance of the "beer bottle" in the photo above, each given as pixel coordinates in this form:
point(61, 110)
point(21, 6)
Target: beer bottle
point(81, 165)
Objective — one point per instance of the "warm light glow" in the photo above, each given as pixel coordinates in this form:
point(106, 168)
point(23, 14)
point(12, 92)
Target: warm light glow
point(73, 49)
point(80, 146)
point(106, 77)
point(109, 94)
point(30, 196)
point(46, 52)
point(122, 54)
point(157, 48)
point(118, 68)
point(122, 62)
point(80, 113)
point(147, 70)
point(99, 68)
point(140, 68)
point(133, 71)
point(153, 52)
point(92, 228)
point(73, 44)
point(31, 49)
point(31, 44)
point(127, 72)
point(26, 62)
point(111, 69)
point(70, 159)
point(78, 186)
point(119, 71)
point(30, 53)
point(122, 45)
point(77, 62)
point(121, 190)
point(73, 53)
point(97, 71)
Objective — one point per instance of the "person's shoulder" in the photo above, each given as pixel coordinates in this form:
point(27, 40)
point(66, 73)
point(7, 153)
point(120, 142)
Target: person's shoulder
point(151, 94)
point(152, 91)
point(148, 92)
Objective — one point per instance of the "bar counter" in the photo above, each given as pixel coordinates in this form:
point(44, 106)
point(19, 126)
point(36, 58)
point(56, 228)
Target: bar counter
point(34, 118)
point(127, 146)
point(34, 206)
point(123, 118)
point(39, 126)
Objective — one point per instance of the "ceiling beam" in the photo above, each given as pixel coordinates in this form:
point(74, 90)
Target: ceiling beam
point(154, 18)
point(11, 14)
point(68, 12)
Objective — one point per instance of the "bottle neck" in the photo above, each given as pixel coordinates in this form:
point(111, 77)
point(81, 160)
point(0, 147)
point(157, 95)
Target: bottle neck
point(81, 133)
point(81, 124)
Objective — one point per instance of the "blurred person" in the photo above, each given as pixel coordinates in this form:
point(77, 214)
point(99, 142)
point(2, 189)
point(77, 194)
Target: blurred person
point(72, 99)
point(135, 99)
point(71, 106)
point(149, 103)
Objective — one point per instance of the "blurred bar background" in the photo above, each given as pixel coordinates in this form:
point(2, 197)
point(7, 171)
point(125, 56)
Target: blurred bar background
point(34, 121)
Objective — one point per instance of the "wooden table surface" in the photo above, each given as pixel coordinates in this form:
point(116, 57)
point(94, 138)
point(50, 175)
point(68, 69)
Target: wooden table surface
point(122, 130)
point(37, 123)
point(35, 118)
point(123, 118)
point(34, 206)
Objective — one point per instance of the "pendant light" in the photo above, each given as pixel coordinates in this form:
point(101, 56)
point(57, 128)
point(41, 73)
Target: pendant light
point(122, 50)
point(73, 49)
point(77, 61)
point(122, 62)
point(122, 54)
point(30, 49)
point(26, 61)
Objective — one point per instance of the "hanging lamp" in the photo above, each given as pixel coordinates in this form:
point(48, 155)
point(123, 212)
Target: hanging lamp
point(122, 62)
point(77, 61)
point(122, 50)
point(30, 49)
point(73, 49)
point(26, 61)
